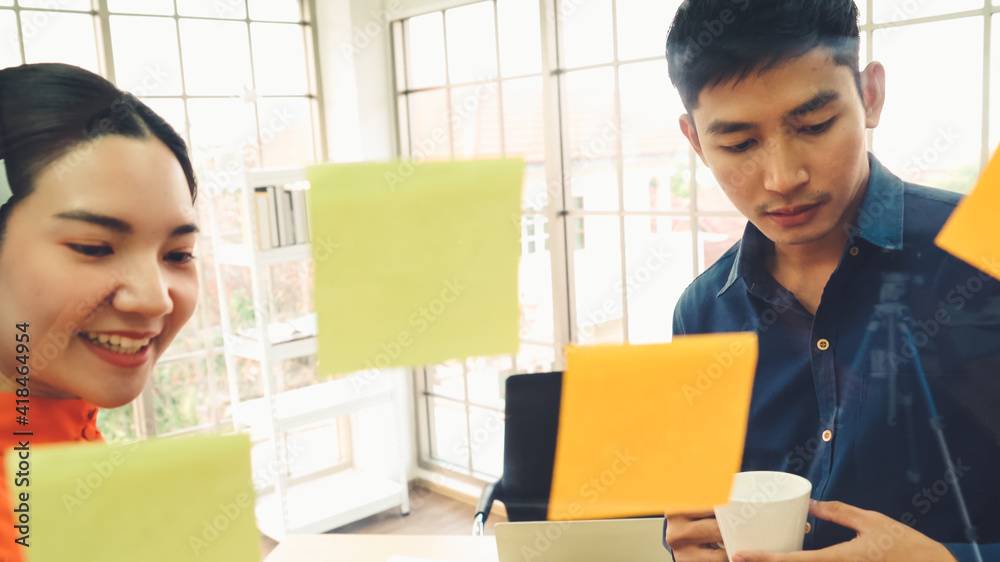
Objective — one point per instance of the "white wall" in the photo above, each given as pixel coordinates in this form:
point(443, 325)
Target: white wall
point(409, 8)
point(355, 67)
point(355, 63)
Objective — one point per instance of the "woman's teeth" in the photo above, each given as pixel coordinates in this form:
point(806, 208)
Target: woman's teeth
point(116, 343)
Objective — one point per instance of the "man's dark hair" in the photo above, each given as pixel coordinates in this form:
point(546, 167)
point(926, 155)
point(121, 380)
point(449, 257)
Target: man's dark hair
point(711, 42)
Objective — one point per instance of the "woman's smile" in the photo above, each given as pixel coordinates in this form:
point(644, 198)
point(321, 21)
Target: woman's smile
point(117, 355)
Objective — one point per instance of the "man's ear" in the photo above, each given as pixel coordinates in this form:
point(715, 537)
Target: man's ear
point(689, 130)
point(873, 90)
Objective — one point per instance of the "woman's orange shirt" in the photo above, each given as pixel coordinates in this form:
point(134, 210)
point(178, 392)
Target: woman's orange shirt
point(49, 420)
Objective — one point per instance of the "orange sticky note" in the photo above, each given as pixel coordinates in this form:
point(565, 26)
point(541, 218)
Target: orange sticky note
point(972, 233)
point(645, 429)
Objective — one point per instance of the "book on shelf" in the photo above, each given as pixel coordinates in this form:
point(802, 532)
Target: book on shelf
point(260, 197)
point(272, 215)
point(282, 215)
point(300, 215)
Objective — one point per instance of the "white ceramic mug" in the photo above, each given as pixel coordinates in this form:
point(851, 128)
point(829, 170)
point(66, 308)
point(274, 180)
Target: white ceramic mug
point(766, 512)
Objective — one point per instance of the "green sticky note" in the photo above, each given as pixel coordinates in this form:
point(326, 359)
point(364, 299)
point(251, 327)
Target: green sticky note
point(415, 263)
point(162, 500)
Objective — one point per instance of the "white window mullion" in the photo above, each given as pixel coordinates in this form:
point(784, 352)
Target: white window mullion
point(869, 32)
point(693, 212)
point(620, 172)
point(986, 149)
point(424, 414)
point(500, 83)
point(102, 28)
point(447, 89)
point(557, 159)
point(468, 414)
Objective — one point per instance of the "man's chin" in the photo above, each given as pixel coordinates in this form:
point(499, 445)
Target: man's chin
point(799, 240)
point(806, 234)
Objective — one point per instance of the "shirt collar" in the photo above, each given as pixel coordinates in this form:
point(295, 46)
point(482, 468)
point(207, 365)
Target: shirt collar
point(71, 419)
point(880, 218)
point(879, 221)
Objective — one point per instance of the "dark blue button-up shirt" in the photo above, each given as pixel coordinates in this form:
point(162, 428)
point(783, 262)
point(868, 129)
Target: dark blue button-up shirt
point(850, 412)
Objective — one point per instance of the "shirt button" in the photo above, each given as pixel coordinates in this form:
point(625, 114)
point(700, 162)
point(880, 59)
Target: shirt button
point(809, 528)
point(823, 344)
point(854, 250)
point(827, 435)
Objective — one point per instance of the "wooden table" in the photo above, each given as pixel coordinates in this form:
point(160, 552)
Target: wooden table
point(379, 548)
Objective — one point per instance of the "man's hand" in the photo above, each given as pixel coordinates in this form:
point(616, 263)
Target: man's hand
point(694, 537)
point(879, 538)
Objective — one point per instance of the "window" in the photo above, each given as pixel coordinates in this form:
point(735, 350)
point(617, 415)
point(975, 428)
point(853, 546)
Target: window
point(534, 234)
point(235, 79)
point(637, 214)
point(469, 84)
point(577, 231)
point(954, 138)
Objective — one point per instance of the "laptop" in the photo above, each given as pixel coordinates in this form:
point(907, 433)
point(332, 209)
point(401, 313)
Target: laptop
point(600, 540)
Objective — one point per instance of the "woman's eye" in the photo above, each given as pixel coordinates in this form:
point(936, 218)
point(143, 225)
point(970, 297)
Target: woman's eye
point(742, 147)
point(91, 251)
point(180, 257)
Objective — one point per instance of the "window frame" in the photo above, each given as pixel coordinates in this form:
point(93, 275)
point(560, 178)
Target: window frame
point(562, 233)
point(143, 409)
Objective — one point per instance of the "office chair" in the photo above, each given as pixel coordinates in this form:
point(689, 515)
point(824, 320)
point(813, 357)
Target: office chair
point(529, 449)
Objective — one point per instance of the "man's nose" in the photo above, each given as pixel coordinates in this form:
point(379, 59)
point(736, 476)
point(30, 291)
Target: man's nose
point(784, 171)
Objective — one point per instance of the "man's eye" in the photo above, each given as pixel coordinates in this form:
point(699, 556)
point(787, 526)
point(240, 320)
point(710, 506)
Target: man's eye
point(742, 147)
point(91, 251)
point(817, 129)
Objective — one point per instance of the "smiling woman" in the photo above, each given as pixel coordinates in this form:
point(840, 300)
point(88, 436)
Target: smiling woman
point(97, 272)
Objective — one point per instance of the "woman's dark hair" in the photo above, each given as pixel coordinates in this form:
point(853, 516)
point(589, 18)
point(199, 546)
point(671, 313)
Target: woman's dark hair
point(48, 110)
point(711, 42)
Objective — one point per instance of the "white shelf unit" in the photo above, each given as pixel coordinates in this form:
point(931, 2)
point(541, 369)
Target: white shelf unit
point(243, 254)
point(320, 503)
point(248, 348)
point(312, 404)
point(308, 504)
point(357, 496)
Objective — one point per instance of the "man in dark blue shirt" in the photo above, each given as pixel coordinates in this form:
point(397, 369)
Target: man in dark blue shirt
point(879, 353)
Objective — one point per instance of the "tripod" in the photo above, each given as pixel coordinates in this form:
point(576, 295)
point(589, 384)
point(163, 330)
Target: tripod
point(889, 313)
point(893, 316)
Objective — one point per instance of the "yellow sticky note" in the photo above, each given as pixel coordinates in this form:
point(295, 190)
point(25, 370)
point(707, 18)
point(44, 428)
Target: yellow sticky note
point(415, 263)
point(163, 500)
point(648, 429)
point(972, 233)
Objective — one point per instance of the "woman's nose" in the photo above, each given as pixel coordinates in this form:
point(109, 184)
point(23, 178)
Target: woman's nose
point(144, 291)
